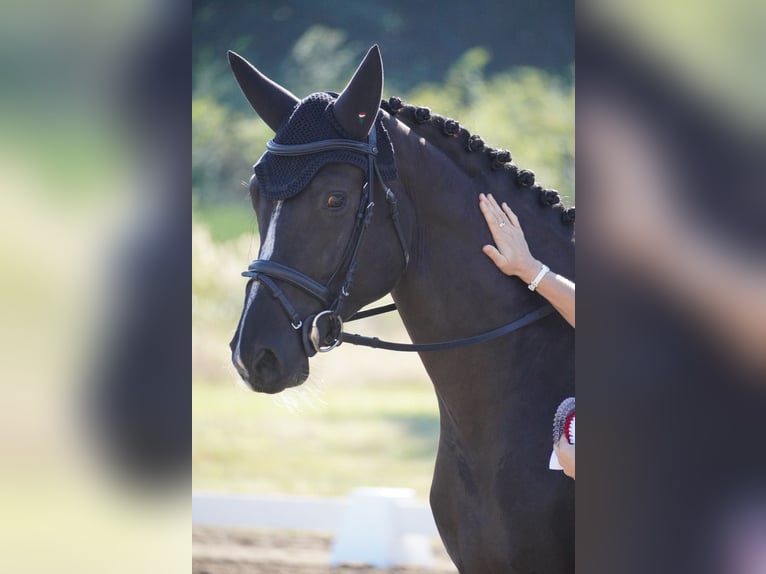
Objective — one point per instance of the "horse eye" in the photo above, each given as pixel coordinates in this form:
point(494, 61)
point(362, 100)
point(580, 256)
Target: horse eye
point(336, 200)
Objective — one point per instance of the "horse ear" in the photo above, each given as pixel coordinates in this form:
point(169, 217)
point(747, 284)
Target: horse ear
point(270, 100)
point(357, 106)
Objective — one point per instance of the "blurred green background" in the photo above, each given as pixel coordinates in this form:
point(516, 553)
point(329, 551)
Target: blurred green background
point(504, 70)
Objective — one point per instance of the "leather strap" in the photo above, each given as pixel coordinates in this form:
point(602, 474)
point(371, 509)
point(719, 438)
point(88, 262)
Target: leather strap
point(376, 343)
point(261, 267)
point(372, 312)
point(320, 146)
point(295, 318)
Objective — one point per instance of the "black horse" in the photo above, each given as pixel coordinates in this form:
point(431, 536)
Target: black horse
point(325, 253)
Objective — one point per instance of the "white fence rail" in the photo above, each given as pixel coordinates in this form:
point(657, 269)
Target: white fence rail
point(289, 512)
point(383, 527)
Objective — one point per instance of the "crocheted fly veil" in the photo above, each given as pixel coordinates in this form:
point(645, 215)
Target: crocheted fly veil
point(282, 177)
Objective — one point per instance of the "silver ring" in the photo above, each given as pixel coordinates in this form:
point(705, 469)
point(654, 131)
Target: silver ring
point(502, 223)
point(314, 333)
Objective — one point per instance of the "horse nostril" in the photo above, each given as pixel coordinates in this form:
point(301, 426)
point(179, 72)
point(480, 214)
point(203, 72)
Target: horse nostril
point(265, 363)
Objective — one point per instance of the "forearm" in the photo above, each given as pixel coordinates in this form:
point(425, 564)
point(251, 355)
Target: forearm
point(557, 289)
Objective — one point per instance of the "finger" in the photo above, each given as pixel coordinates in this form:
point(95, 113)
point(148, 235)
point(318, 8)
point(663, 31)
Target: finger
point(493, 203)
point(494, 218)
point(511, 215)
point(486, 211)
point(492, 252)
point(497, 212)
point(485, 205)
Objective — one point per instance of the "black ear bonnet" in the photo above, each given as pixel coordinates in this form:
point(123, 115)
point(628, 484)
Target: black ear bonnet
point(282, 177)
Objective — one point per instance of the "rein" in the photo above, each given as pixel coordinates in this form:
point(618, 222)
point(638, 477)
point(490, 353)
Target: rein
point(267, 271)
point(376, 343)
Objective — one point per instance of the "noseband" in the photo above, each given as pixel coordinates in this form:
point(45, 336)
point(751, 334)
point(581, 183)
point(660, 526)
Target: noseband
point(328, 320)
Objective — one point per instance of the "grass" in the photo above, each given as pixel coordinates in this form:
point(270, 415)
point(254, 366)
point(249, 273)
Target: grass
point(321, 440)
point(227, 221)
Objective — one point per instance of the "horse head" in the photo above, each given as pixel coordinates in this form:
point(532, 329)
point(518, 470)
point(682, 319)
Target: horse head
point(324, 251)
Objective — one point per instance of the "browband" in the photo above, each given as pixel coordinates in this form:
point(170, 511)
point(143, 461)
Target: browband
point(320, 146)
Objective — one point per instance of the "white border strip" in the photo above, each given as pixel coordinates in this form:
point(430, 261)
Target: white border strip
point(296, 513)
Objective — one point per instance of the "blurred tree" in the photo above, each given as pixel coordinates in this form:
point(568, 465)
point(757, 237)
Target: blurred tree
point(419, 39)
point(321, 57)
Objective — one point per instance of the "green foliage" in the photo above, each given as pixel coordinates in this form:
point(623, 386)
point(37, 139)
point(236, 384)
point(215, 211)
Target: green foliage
point(420, 40)
point(224, 148)
point(320, 57)
point(466, 76)
point(528, 111)
point(226, 220)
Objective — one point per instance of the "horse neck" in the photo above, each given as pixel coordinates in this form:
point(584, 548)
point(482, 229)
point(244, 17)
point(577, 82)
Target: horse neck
point(452, 290)
point(450, 280)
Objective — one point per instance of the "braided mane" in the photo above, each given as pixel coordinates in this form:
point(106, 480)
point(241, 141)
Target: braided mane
point(418, 118)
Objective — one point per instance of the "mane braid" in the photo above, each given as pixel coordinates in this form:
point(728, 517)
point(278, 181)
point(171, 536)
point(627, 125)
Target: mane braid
point(499, 159)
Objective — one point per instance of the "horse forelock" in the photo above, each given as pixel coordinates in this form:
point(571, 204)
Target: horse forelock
point(470, 153)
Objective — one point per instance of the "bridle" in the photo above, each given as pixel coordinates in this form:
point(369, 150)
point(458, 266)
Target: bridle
point(268, 272)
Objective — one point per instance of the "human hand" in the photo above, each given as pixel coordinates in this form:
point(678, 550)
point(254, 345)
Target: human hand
point(510, 252)
point(565, 452)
